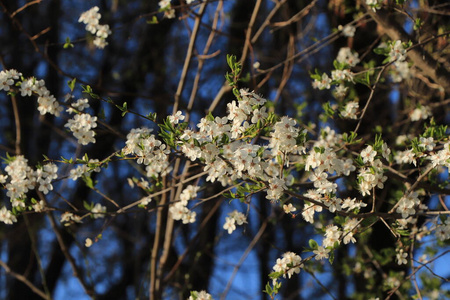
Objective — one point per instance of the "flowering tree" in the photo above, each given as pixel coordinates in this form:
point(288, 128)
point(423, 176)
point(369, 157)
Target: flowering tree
point(322, 157)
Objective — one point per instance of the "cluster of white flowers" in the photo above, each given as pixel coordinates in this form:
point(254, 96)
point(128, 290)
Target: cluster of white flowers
point(373, 175)
point(31, 86)
point(148, 150)
point(441, 157)
point(347, 56)
point(98, 211)
point(322, 164)
point(21, 178)
point(338, 76)
point(84, 169)
point(92, 20)
point(374, 4)
point(82, 126)
point(7, 78)
point(347, 30)
point(340, 91)
point(406, 157)
point(421, 113)
point(443, 230)
point(408, 203)
point(78, 106)
point(39, 206)
point(401, 71)
point(349, 229)
point(290, 264)
point(350, 110)
point(342, 75)
point(309, 210)
point(323, 83)
point(237, 159)
point(169, 12)
point(397, 51)
point(6, 216)
point(179, 210)
point(234, 218)
point(332, 235)
point(69, 218)
point(202, 295)
point(393, 281)
point(283, 138)
point(44, 177)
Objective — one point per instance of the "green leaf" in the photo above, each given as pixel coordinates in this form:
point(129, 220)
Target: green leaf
point(381, 51)
point(71, 84)
point(329, 111)
point(313, 244)
point(368, 78)
point(89, 182)
point(68, 43)
point(331, 258)
point(88, 206)
point(418, 23)
point(152, 116)
point(153, 20)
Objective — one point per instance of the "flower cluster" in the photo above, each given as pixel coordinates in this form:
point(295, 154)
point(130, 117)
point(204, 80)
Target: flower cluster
point(179, 210)
point(202, 295)
point(98, 211)
point(374, 4)
point(166, 7)
point(92, 20)
point(84, 169)
point(21, 178)
point(406, 205)
point(441, 157)
point(6, 216)
point(44, 177)
point(350, 110)
point(373, 175)
point(397, 52)
point(69, 218)
point(401, 71)
point(443, 230)
point(78, 106)
point(284, 137)
point(289, 264)
point(235, 158)
point(81, 126)
point(7, 79)
point(348, 57)
point(234, 218)
point(148, 151)
point(28, 87)
point(347, 30)
point(420, 113)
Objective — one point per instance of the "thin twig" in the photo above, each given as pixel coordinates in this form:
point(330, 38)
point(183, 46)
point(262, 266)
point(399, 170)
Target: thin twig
point(76, 273)
point(188, 58)
point(243, 258)
point(24, 280)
